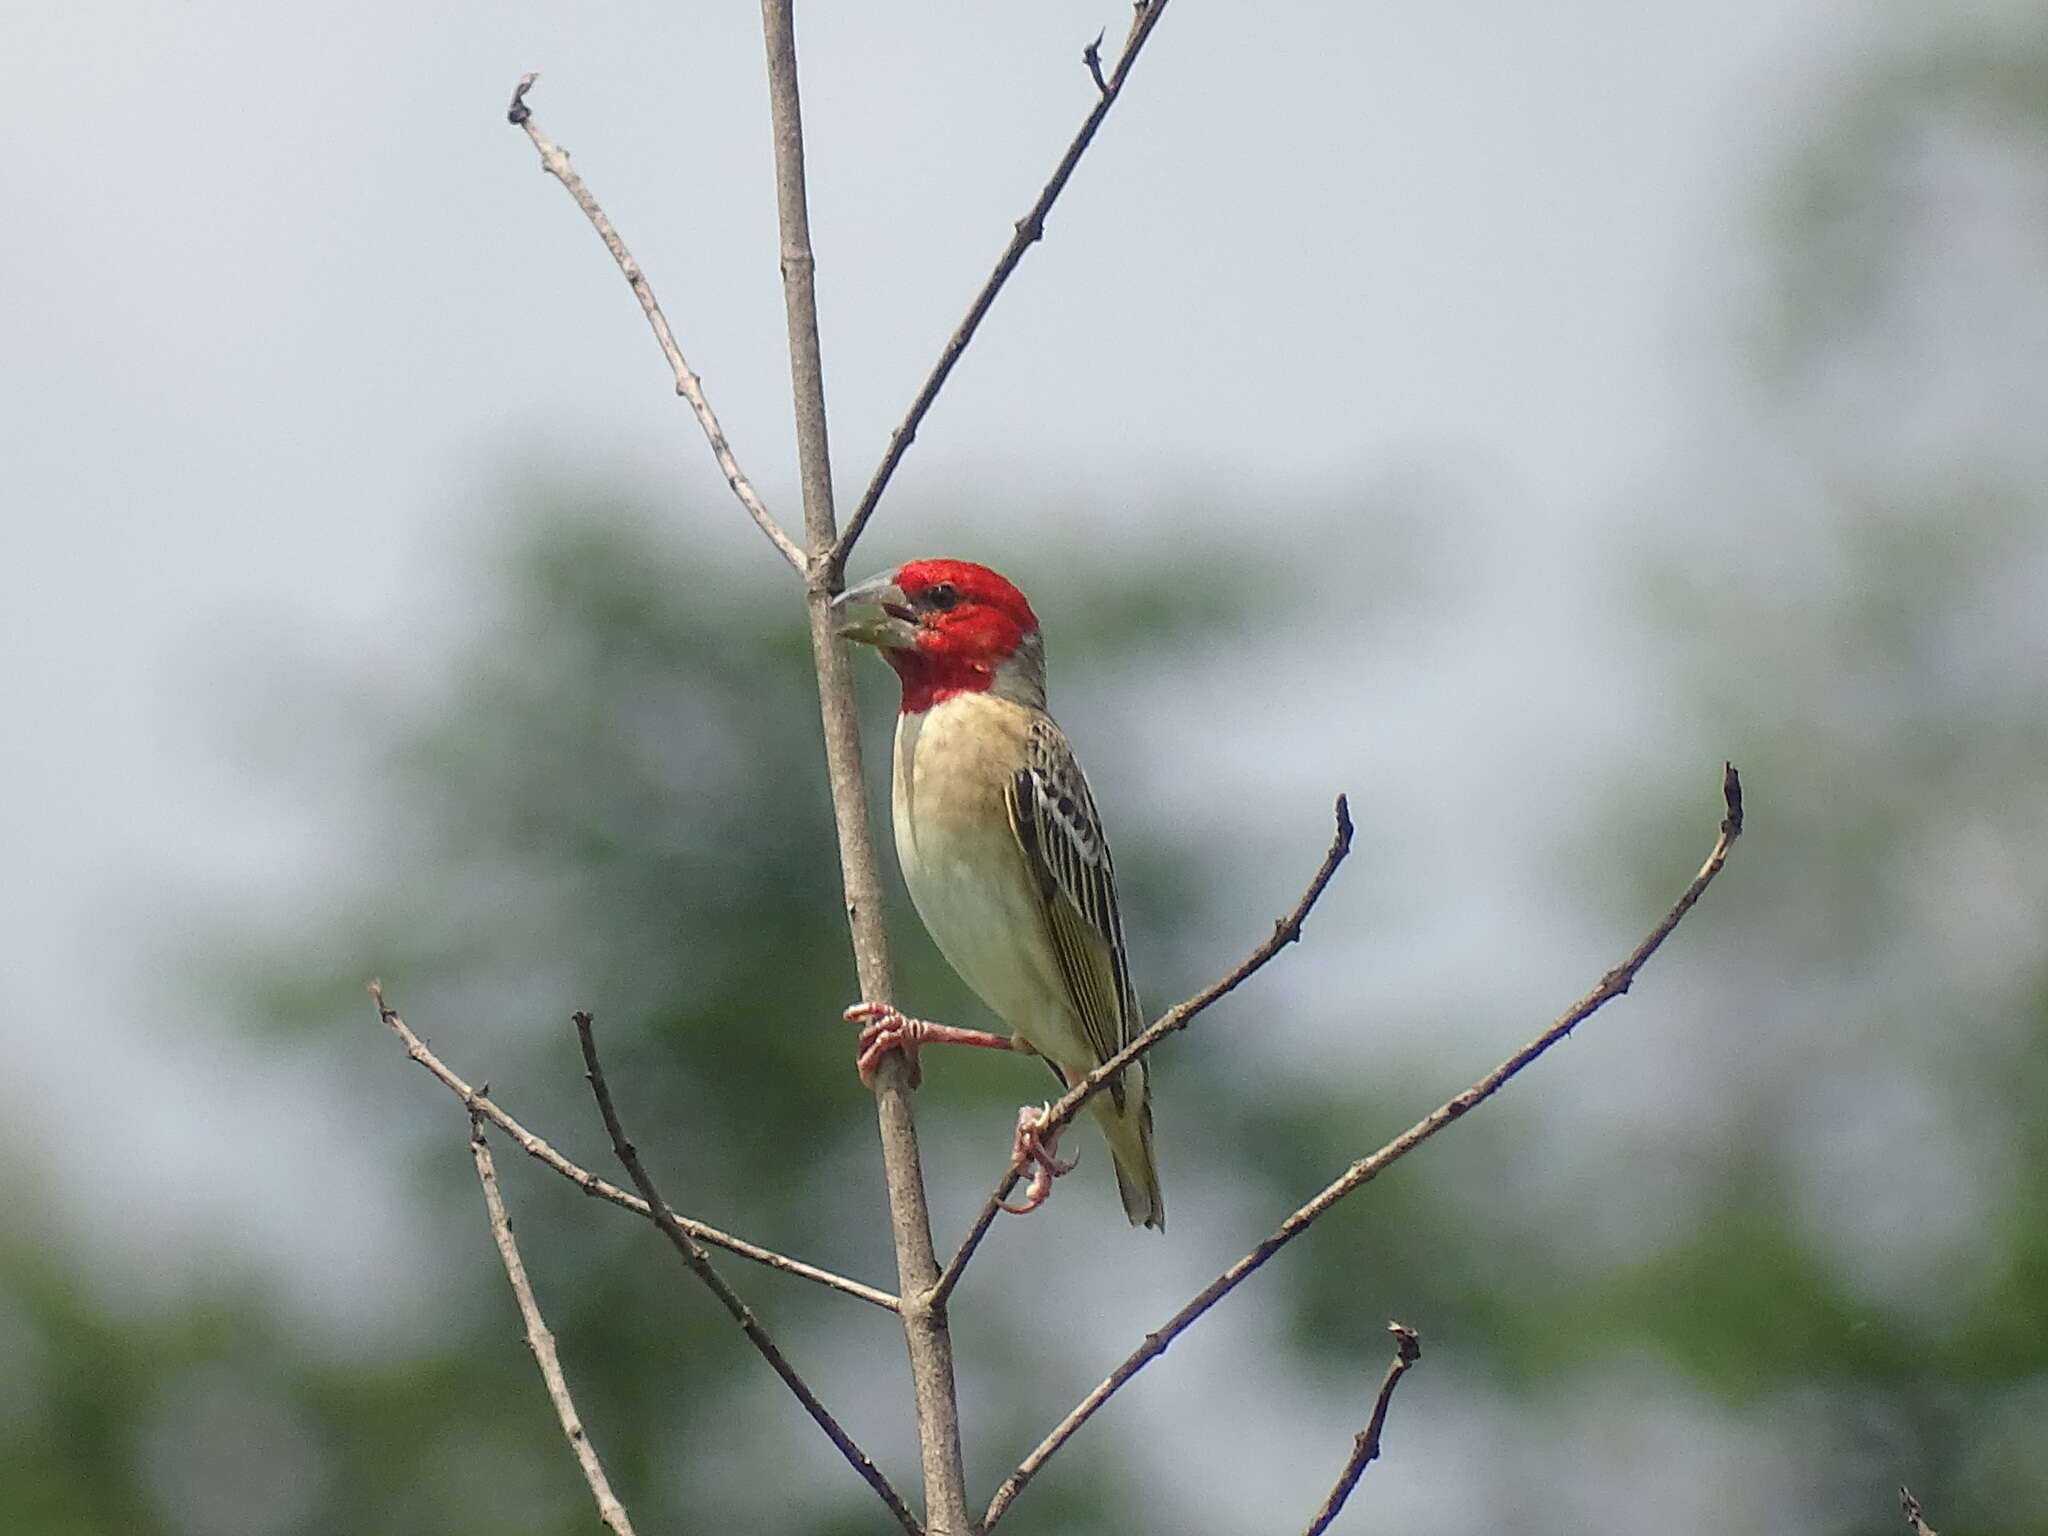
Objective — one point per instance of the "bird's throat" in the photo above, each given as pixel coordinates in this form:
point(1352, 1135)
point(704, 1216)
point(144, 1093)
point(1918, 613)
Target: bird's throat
point(932, 679)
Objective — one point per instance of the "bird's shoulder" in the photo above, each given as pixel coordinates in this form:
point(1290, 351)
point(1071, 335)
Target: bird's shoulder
point(1058, 791)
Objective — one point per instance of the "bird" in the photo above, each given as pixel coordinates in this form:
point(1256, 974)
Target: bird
point(1004, 856)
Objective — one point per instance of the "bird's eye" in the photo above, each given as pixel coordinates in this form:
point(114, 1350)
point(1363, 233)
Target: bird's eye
point(942, 596)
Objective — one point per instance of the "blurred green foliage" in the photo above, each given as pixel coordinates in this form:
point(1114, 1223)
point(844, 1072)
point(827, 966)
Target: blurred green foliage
point(1857, 619)
point(617, 799)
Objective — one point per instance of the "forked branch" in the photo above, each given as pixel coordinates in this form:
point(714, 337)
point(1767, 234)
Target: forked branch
point(538, 1337)
point(1407, 1350)
point(699, 1264)
point(555, 161)
point(927, 1340)
point(1612, 985)
point(479, 1101)
point(1286, 931)
point(1030, 229)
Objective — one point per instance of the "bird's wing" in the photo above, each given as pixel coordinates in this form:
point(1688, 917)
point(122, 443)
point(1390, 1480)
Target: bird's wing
point(1056, 825)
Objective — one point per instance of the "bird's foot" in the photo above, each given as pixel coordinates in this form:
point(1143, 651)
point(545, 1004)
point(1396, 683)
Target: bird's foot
point(1036, 1150)
point(884, 1029)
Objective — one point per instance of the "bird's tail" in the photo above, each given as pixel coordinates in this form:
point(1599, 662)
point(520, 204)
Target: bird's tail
point(1129, 1132)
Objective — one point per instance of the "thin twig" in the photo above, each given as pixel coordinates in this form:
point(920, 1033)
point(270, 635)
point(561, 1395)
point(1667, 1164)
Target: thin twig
point(479, 1101)
point(1286, 930)
point(1910, 1507)
point(555, 161)
point(1030, 229)
point(1407, 1350)
point(699, 1263)
point(927, 1338)
point(539, 1339)
point(1092, 57)
point(1612, 985)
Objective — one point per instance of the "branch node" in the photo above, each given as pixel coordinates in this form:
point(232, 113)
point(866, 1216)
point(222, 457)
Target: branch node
point(1407, 1343)
point(519, 111)
point(1908, 1505)
point(919, 1306)
point(1092, 57)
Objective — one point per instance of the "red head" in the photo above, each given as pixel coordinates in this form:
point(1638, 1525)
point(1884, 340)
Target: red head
point(951, 626)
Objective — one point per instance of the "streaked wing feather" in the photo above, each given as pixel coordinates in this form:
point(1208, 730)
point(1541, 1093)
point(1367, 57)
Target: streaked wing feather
point(1054, 818)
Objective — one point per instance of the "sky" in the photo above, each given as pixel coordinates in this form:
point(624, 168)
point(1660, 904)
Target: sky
point(287, 308)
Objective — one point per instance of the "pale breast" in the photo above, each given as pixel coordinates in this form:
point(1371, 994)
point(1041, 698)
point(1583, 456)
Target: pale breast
point(966, 875)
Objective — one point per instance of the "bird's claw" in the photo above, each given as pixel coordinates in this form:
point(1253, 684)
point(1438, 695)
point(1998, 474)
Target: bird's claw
point(884, 1029)
point(1035, 1150)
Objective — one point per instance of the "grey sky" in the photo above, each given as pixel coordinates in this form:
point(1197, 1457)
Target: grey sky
point(285, 294)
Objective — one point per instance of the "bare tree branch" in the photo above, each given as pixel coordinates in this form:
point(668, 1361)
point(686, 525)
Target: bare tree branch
point(479, 1101)
point(1910, 1507)
point(926, 1335)
point(1286, 931)
point(1612, 985)
point(539, 1339)
point(555, 161)
point(699, 1263)
point(1030, 229)
point(1407, 1350)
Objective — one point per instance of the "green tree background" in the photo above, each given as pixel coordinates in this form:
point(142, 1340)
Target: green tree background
point(1829, 1258)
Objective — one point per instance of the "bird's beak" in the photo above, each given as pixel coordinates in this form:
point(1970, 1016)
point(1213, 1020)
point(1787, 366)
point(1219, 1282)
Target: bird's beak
point(894, 628)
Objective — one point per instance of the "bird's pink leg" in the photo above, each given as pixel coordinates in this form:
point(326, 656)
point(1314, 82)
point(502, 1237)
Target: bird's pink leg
point(1035, 1149)
point(883, 1030)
